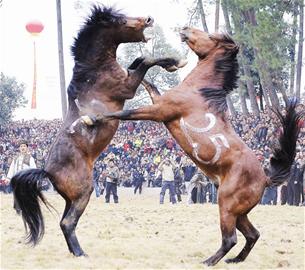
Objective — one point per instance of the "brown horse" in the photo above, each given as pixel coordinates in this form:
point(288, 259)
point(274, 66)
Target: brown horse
point(98, 83)
point(195, 114)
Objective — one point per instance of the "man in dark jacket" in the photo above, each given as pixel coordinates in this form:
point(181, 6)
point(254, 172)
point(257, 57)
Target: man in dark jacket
point(294, 188)
point(138, 180)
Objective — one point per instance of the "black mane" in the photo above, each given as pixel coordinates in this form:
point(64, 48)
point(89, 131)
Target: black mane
point(101, 17)
point(226, 64)
point(85, 73)
point(216, 98)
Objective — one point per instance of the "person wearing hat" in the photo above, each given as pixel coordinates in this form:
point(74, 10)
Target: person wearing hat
point(22, 161)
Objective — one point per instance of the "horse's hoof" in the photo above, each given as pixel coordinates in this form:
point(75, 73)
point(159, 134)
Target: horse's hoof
point(208, 262)
point(182, 63)
point(233, 260)
point(80, 254)
point(172, 68)
point(87, 120)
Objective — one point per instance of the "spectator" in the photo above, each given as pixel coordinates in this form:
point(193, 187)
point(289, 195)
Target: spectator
point(138, 180)
point(22, 161)
point(178, 175)
point(112, 178)
point(166, 168)
point(143, 144)
point(197, 188)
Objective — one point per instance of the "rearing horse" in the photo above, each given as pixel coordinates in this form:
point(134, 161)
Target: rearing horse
point(195, 114)
point(98, 83)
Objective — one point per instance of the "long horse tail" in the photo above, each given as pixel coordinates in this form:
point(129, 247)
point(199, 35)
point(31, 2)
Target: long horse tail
point(27, 192)
point(284, 153)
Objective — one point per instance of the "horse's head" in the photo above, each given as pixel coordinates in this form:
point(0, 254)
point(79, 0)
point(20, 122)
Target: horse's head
point(198, 41)
point(204, 44)
point(219, 48)
point(104, 30)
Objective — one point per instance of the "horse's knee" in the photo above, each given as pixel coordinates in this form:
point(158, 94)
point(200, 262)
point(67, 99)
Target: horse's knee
point(253, 237)
point(228, 242)
point(67, 225)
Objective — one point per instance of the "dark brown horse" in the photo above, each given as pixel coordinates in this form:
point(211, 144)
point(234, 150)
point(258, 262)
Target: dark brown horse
point(195, 114)
point(98, 83)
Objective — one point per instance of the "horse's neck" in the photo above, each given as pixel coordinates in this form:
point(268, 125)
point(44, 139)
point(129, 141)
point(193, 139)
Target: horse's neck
point(204, 76)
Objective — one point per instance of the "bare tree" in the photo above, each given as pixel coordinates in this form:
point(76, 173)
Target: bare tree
point(224, 6)
point(242, 97)
point(202, 16)
point(300, 51)
point(217, 5)
point(292, 47)
point(61, 60)
point(263, 70)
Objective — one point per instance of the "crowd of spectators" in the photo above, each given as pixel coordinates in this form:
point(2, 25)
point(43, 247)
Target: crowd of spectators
point(139, 146)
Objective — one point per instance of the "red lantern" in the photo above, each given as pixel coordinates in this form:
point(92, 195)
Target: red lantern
point(34, 27)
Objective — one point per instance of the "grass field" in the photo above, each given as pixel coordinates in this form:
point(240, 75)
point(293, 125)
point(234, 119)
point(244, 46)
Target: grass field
point(138, 233)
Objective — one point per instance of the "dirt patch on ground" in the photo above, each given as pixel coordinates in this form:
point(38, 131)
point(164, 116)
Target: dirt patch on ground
point(138, 233)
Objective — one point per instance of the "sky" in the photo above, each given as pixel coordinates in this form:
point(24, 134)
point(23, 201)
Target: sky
point(16, 46)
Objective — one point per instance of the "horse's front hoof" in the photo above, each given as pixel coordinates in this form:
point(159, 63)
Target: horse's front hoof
point(180, 64)
point(86, 119)
point(172, 68)
point(233, 260)
point(209, 262)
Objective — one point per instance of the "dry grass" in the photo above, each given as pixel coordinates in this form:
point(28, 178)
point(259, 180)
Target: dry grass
point(138, 233)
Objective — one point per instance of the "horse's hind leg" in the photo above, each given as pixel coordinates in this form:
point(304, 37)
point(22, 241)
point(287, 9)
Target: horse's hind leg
point(229, 238)
point(67, 208)
point(68, 224)
point(251, 234)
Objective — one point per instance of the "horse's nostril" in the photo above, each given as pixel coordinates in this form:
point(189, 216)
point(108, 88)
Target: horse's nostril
point(149, 20)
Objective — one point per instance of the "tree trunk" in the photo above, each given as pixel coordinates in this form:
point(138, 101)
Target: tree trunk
point(249, 83)
point(292, 48)
point(61, 60)
point(202, 16)
point(243, 62)
point(229, 30)
point(265, 76)
point(283, 91)
point(265, 92)
point(217, 4)
point(225, 12)
point(261, 97)
point(300, 51)
point(267, 84)
point(231, 106)
point(242, 98)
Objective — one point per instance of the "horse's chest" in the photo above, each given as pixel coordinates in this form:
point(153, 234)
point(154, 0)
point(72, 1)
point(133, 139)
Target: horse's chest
point(113, 78)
